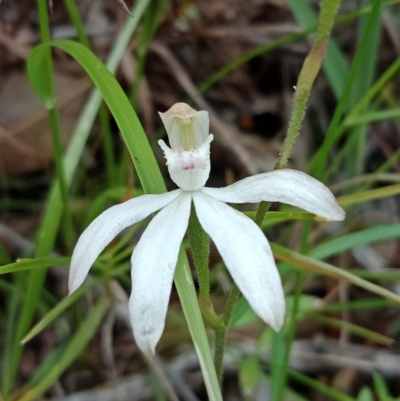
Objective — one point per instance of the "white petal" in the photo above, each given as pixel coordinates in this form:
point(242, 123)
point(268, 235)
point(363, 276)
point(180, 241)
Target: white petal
point(153, 265)
point(199, 121)
point(247, 255)
point(106, 226)
point(287, 186)
point(189, 169)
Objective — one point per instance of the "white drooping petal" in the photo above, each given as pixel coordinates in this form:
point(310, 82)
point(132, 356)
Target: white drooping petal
point(287, 186)
point(153, 264)
point(247, 255)
point(189, 169)
point(106, 226)
point(180, 121)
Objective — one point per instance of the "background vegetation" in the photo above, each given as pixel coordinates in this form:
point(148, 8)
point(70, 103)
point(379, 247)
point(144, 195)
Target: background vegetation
point(66, 156)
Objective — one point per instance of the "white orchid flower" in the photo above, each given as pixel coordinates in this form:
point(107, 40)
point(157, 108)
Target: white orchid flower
point(241, 243)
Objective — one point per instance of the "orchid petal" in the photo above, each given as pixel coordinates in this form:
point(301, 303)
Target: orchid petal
point(106, 226)
point(153, 264)
point(287, 186)
point(247, 255)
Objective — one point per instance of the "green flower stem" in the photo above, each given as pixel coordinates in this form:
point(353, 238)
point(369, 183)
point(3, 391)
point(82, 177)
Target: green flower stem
point(200, 247)
point(261, 212)
point(220, 335)
point(312, 65)
point(327, 15)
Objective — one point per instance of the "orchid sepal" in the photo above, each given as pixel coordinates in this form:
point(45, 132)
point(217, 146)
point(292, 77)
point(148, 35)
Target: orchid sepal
point(288, 186)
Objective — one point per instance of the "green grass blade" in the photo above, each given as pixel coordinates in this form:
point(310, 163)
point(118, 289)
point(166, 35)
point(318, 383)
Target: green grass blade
point(229, 67)
point(367, 178)
point(119, 105)
point(52, 217)
point(360, 305)
point(318, 162)
point(10, 329)
point(358, 136)
point(349, 241)
point(386, 275)
point(76, 19)
point(376, 88)
point(321, 387)
point(325, 269)
point(103, 113)
point(30, 264)
point(353, 329)
point(58, 310)
point(73, 350)
point(151, 20)
point(372, 117)
point(365, 196)
point(54, 118)
point(365, 394)
point(284, 216)
point(381, 387)
point(364, 79)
